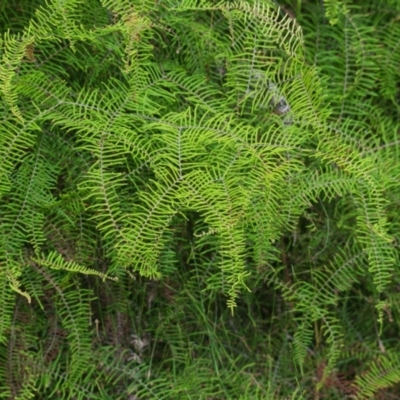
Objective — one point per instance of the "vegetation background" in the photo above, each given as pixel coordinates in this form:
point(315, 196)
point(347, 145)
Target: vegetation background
point(199, 199)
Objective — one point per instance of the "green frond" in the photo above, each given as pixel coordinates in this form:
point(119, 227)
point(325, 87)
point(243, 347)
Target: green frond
point(55, 261)
point(382, 373)
point(230, 172)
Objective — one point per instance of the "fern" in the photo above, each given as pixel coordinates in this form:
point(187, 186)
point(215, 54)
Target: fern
point(198, 199)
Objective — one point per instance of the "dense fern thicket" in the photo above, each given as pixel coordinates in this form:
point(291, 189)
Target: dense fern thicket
point(199, 199)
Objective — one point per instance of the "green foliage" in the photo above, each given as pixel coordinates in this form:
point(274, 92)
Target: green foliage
point(199, 199)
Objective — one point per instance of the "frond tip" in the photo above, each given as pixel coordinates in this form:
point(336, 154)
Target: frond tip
point(54, 260)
